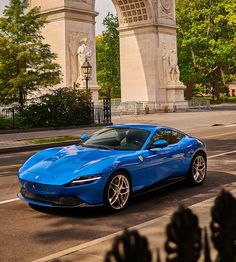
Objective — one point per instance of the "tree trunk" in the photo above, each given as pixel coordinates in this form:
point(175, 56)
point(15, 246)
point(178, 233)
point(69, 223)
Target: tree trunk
point(21, 98)
point(188, 91)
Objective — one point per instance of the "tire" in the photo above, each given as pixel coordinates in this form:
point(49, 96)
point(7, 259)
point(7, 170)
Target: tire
point(117, 191)
point(198, 169)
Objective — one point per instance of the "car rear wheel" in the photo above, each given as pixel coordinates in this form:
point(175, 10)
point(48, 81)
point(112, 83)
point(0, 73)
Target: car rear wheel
point(117, 191)
point(198, 168)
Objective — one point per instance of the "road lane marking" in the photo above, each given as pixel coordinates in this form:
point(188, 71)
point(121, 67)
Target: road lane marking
point(218, 135)
point(9, 201)
point(222, 154)
point(210, 157)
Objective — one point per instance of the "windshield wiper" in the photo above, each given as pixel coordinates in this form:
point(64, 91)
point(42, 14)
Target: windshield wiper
point(98, 146)
point(104, 147)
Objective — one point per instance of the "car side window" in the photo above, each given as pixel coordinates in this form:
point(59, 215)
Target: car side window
point(171, 136)
point(176, 136)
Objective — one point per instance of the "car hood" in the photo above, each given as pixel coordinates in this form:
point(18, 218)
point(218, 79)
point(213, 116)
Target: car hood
point(68, 163)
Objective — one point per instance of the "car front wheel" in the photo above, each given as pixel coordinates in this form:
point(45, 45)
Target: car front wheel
point(117, 191)
point(198, 168)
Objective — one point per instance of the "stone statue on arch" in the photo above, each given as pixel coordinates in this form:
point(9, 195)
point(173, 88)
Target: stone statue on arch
point(174, 72)
point(79, 52)
point(171, 72)
point(84, 53)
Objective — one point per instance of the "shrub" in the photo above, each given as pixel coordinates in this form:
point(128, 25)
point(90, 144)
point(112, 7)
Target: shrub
point(64, 107)
point(5, 123)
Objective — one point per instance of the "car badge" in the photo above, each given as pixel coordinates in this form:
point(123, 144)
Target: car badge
point(37, 177)
point(140, 158)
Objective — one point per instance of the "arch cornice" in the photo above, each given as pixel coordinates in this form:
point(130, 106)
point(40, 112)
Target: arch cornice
point(133, 12)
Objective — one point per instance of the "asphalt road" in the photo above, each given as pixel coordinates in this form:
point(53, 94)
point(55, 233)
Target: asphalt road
point(27, 234)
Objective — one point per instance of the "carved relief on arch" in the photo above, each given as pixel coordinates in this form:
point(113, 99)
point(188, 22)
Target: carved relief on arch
point(133, 11)
point(85, 2)
point(167, 9)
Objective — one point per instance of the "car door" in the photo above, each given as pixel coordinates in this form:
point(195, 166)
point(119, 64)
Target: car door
point(164, 163)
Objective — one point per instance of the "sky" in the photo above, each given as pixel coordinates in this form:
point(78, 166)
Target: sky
point(103, 7)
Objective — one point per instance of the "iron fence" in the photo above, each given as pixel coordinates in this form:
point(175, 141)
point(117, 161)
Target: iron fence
point(98, 115)
point(8, 118)
point(199, 104)
point(102, 112)
point(11, 118)
point(107, 110)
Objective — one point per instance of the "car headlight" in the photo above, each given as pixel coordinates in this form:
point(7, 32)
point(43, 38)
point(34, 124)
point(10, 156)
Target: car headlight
point(84, 180)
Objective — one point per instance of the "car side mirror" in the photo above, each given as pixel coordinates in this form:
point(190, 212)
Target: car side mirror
point(84, 137)
point(159, 144)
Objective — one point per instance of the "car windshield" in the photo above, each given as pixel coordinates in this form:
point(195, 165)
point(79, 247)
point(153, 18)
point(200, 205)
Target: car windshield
point(118, 139)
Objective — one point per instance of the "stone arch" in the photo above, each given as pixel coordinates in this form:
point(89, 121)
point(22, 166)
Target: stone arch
point(149, 70)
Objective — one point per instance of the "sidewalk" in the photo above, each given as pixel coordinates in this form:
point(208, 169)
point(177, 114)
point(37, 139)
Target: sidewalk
point(189, 122)
point(154, 230)
point(13, 140)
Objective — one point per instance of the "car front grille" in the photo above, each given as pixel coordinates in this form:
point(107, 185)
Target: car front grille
point(63, 201)
point(37, 188)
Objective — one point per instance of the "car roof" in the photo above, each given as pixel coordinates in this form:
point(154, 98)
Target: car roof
point(151, 128)
point(137, 126)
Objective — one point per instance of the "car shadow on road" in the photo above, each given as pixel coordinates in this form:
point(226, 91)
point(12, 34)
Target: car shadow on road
point(180, 193)
point(91, 223)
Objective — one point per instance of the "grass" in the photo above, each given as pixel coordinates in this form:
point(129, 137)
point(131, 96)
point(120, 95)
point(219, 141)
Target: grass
point(220, 101)
point(229, 99)
point(52, 139)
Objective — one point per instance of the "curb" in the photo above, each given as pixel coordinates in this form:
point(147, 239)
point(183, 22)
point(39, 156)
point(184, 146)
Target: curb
point(37, 146)
point(40, 129)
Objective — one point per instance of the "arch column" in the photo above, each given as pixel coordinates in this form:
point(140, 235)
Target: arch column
point(71, 29)
point(148, 51)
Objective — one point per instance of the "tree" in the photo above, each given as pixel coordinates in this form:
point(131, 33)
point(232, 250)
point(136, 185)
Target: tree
point(207, 43)
point(108, 57)
point(26, 62)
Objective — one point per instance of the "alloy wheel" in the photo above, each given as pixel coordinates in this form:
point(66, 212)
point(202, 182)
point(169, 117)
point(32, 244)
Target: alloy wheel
point(199, 169)
point(118, 191)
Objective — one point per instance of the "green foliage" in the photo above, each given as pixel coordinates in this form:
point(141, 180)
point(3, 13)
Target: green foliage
point(207, 43)
point(52, 139)
point(64, 107)
point(5, 123)
point(26, 62)
point(108, 58)
point(198, 90)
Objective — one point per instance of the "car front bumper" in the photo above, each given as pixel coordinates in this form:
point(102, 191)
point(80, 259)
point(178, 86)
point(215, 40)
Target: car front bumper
point(49, 201)
point(60, 196)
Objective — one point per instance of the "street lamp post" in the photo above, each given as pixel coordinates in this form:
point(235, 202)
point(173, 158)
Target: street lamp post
point(86, 69)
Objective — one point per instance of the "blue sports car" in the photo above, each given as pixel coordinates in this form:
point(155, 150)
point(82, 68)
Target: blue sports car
point(112, 165)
